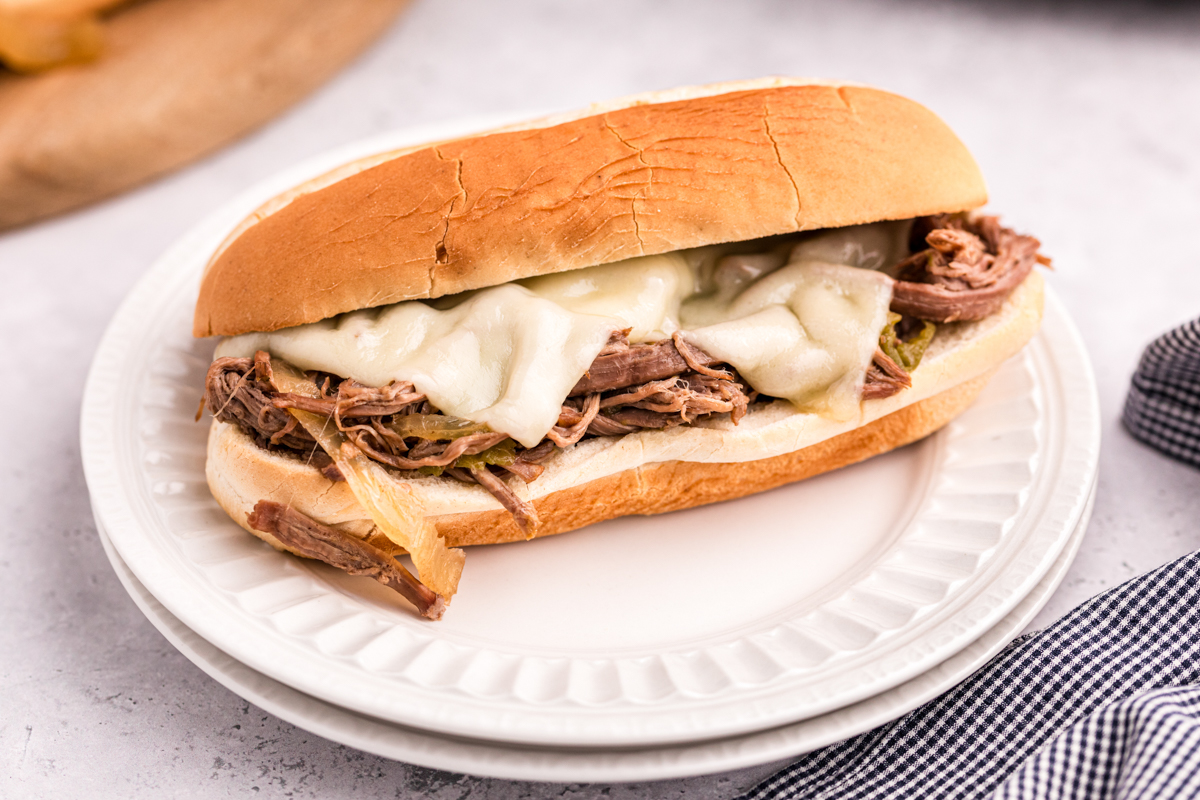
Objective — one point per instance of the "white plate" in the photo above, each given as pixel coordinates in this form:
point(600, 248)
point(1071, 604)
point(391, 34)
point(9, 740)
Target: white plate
point(543, 764)
point(707, 623)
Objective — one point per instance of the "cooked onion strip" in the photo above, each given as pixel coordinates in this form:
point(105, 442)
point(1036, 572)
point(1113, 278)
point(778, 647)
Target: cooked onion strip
point(436, 427)
point(392, 506)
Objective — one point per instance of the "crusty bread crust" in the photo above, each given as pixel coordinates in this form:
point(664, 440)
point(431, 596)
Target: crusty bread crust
point(657, 173)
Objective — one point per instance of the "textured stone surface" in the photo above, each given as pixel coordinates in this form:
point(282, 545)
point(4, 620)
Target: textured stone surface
point(1083, 118)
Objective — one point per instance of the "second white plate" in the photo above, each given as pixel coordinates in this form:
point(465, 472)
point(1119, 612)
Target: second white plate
point(534, 764)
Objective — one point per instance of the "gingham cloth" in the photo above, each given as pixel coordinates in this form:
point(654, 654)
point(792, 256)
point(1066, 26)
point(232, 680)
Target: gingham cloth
point(1163, 407)
point(1104, 703)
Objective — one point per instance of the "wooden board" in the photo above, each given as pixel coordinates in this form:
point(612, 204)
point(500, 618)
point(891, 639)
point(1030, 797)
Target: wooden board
point(179, 79)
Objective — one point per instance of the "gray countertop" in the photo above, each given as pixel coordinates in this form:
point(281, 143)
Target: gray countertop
point(1085, 118)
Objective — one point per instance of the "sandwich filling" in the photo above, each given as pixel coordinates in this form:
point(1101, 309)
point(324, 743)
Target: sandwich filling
point(487, 386)
point(795, 323)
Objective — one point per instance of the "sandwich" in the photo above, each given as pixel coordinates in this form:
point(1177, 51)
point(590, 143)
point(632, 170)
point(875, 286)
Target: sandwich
point(657, 303)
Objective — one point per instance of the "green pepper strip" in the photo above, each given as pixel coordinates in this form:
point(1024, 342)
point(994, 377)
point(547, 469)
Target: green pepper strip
point(436, 427)
point(498, 455)
point(905, 353)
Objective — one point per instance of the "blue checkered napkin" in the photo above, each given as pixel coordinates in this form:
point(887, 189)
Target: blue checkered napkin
point(1104, 703)
point(1146, 746)
point(1163, 407)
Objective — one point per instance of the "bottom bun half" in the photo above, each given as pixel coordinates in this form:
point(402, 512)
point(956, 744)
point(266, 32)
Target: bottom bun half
point(655, 471)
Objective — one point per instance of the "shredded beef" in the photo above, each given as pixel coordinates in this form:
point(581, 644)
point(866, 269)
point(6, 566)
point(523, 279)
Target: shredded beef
point(967, 271)
point(644, 418)
point(688, 396)
point(531, 460)
point(355, 400)
point(526, 470)
point(321, 460)
point(235, 394)
point(884, 377)
point(577, 424)
point(523, 513)
point(634, 365)
point(425, 454)
point(240, 391)
point(604, 425)
point(696, 359)
point(312, 539)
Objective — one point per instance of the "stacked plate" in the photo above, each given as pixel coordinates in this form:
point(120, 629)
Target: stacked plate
point(693, 642)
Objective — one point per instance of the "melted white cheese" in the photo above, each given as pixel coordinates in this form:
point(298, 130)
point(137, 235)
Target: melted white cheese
point(504, 356)
point(643, 294)
point(509, 355)
point(805, 332)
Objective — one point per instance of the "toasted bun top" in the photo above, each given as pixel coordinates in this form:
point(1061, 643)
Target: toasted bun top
point(651, 174)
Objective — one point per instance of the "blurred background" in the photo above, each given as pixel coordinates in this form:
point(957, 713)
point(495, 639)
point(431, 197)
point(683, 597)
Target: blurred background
point(1083, 116)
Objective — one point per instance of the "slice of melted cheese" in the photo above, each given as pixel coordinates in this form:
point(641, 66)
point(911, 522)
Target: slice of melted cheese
point(508, 355)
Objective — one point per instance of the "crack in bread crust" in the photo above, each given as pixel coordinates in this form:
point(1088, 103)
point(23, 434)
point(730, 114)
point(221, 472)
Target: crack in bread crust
point(883, 157)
